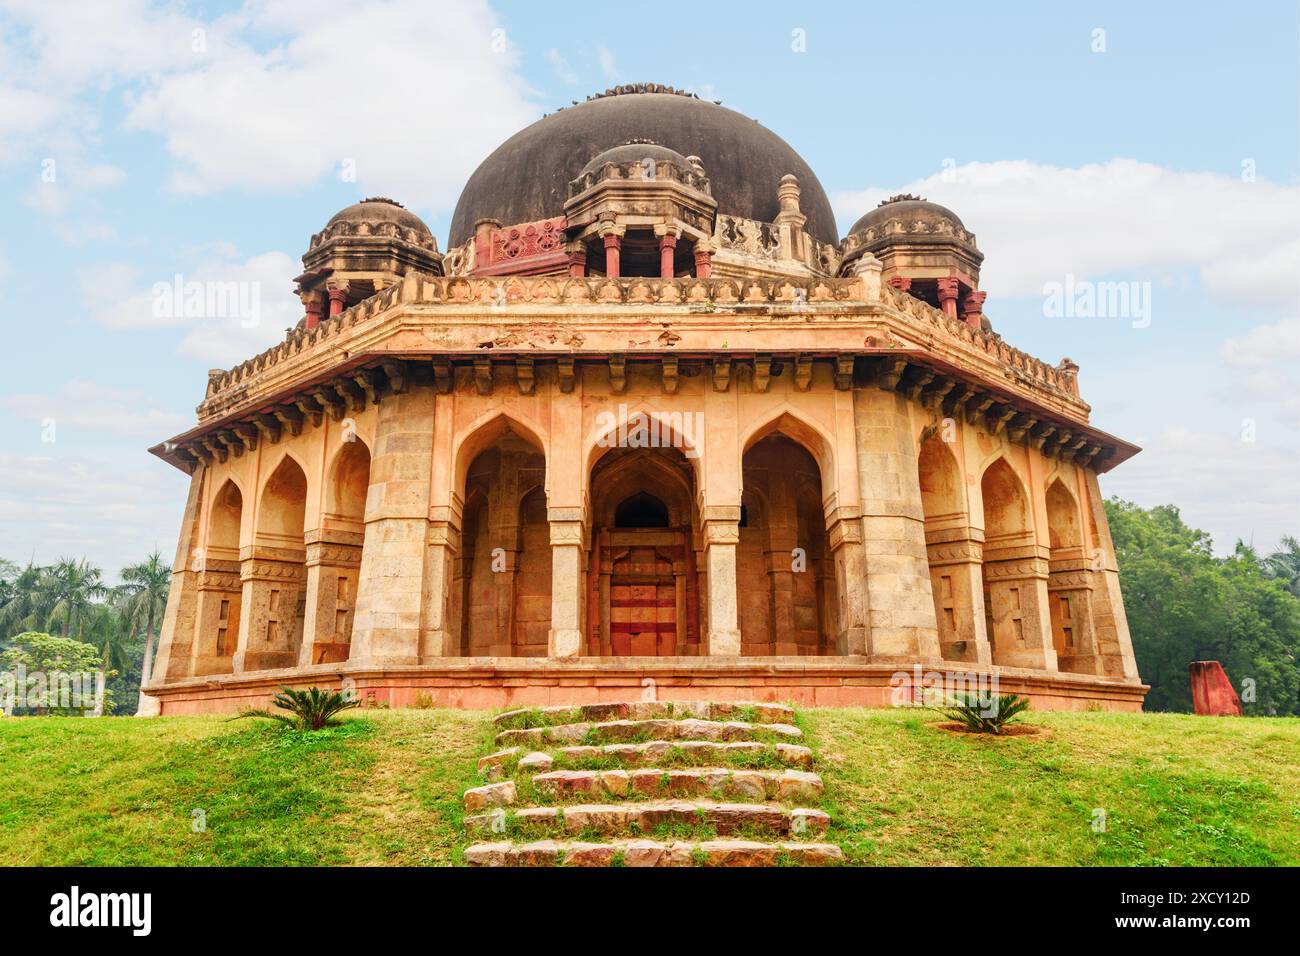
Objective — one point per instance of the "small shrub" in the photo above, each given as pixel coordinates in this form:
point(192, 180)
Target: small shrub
point(984, 713)
point(309, 709)
point(424, 702)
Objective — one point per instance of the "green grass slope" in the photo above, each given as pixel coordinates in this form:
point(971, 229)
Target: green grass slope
point(385, 786)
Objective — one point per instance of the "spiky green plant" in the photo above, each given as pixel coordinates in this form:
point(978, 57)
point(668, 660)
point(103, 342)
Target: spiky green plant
point(309, 709)
point(984, 713)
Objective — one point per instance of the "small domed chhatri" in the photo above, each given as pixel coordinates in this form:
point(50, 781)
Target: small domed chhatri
point(649, 416)
point(362, 250)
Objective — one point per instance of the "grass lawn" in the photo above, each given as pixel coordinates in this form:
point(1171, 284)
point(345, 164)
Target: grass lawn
point(384, 788)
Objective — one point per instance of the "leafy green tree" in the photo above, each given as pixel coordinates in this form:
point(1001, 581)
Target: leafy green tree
point(22, 600)
point(144, 602)
point(1284, 564)
point(47, 658)
point(70, 589)
point(1184, 604)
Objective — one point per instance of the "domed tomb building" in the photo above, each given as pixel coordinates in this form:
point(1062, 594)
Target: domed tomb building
point(648, 425)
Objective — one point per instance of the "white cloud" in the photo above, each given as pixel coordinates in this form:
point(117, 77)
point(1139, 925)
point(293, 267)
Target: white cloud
point(561, 66)
point(1268, 360)
point(1035, 223)
point(607, 64)
point(1228, 487)
point(231, 308)
point(88, 406)
point(427, 96)
point(114, 509)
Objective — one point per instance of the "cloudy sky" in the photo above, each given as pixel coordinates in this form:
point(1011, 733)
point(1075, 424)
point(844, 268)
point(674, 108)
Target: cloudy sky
point(143, 140)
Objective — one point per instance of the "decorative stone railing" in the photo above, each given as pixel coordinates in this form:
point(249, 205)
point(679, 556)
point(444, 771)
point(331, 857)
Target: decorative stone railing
point(741, 295)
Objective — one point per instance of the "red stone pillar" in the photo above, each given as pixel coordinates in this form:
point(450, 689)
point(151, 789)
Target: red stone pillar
point(667, 249)
point(338, 293)
point(578, 262)
point(901, 283)
point(312, 303)
point(972, 308)
point(612, 244)
point(948, 296)
point(703, 262)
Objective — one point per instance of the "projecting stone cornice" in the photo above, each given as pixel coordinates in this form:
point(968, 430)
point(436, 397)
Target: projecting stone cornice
point(872, 335)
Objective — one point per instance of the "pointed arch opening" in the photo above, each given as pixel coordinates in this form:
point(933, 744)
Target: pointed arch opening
point(501, 579)
point(643, 590)
point(1010, 599)
point(219, 591)
point(954, 579)
point(334, 554)
point(784, 551)
point(275, 574)
point(1069, 590)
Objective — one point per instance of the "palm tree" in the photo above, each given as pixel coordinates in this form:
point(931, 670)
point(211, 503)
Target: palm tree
point(144, 601)
point(70, 590)
point(21, 603)
point(105, 631)
point(1285, 564)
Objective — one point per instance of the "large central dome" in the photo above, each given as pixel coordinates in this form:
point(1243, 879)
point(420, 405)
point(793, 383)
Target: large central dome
point(526, 178)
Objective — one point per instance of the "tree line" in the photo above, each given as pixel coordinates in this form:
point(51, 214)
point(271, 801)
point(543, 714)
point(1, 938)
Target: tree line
point(71, 601)
point(1183, 604)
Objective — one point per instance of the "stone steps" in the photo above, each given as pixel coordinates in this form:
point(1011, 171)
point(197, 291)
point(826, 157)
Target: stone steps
point(785, 785)
point(646, 710)
point(612, 818)
point(720, 777)
point(616, 731)
point(730, 853)
point(676, 752)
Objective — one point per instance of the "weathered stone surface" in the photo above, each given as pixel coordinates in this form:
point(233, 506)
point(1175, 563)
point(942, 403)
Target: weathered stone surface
point(650, 709)
point(615, 782)
point(539, 853)
point(589, 854)
point(535, 762)
point(491, 795)
point(813, 854)
point(806, 821)
point(499, 758)
point(720, 853)
point(663, 729)
point(699, 751)
point(798, 785)
point(737, 853)
point(489, 854)
point(564, 782)
point(644, 853)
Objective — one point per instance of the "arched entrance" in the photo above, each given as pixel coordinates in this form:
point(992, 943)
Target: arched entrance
point(643, 589)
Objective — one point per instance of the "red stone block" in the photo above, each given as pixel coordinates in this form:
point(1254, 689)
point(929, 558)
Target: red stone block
point(1212, 692)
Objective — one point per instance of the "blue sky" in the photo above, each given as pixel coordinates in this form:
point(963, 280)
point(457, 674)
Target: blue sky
point(1165, 150)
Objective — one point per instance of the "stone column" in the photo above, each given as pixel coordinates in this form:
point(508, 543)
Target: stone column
point(1110, 622)
point(948, 296)
point(312, 302)
point(270, 628)
point(437, 639)
point(901, 283)
point(333, 564)
point(667, 249)
point(1070, 603)
point(721, 525)
point(567, 577)
point(703, 262)
point(613, 242)
point(957, 582)
point(844, 536)
point(973, 308)
point(172, 659)
point(390, 599)
point(578, 262)
point(901, 621)
point(338, 293)
point(219, 599)
point(1020, 629)
point(867, 267)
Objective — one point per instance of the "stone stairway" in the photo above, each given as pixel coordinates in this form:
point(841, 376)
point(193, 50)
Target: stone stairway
point(649, 783)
